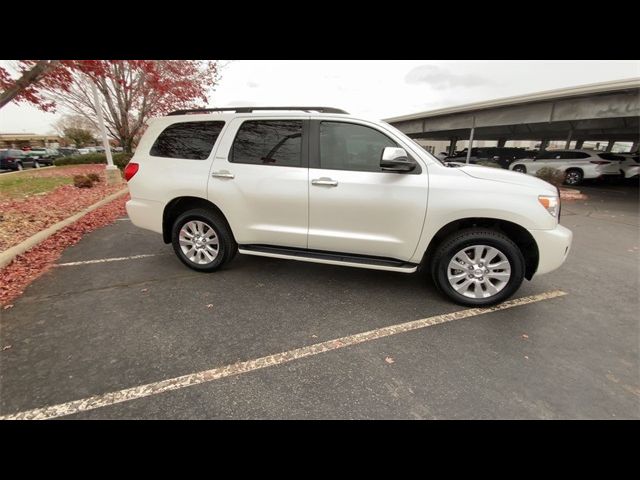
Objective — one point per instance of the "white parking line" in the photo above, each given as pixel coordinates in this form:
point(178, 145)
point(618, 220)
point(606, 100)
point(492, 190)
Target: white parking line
point(104, 260)
point(176, 383)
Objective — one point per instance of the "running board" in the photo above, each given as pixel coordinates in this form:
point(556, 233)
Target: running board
point(331, 258)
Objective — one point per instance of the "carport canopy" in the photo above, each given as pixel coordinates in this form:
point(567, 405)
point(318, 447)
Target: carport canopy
point(603, 111)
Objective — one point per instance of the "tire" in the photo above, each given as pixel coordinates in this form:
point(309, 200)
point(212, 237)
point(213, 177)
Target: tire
point(19, 167)
point(573, 176)
point(488, 242)
point(36, 164)
point(520, 168)
point(198, 219)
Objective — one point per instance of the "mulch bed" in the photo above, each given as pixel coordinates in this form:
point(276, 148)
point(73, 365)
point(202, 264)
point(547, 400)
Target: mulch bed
point(24, 269)
point(24, 217)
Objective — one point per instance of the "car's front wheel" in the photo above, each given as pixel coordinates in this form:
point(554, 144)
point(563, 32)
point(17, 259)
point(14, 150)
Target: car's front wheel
point(520, 169)
point(478, 267)
point(202, 240)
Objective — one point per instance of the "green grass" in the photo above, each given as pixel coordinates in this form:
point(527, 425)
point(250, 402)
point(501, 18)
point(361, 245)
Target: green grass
point(28, 183)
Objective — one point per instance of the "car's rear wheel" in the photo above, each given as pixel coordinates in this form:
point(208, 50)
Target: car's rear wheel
point(573, 176)
point(478, 267)
point(520, 168)
point(202, 240)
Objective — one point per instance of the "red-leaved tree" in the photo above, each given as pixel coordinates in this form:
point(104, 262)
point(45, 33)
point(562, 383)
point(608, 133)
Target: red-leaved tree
point(132, 91)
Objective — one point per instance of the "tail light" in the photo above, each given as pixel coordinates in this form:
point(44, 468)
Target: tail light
point(130, 170)
point(600, 162)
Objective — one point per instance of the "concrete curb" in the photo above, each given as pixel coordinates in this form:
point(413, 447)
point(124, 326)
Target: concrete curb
point(7, 256)
point(27, 170)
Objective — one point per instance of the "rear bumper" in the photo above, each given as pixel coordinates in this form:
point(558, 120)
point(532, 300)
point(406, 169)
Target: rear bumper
point(553, 247)
point(145, 214)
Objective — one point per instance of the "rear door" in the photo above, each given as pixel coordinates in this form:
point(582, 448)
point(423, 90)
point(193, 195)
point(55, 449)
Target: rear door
point(259, 179)
point(354, 206)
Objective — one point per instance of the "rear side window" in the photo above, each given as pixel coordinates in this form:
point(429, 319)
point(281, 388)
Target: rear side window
point(187, 140)
point(610, 156)
point(574, 155)
point(268, 142)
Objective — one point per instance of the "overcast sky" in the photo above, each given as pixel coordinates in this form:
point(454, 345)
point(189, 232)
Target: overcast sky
point(373, 88)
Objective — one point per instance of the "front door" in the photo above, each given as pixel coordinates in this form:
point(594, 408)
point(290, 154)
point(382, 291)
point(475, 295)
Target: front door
point(355, 207)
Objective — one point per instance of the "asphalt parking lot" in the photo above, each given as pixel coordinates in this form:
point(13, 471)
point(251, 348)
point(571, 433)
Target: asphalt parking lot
point(88, 329)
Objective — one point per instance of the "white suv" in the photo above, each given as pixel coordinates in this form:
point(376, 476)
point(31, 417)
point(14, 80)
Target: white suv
point(318, 185)
point(576, 164)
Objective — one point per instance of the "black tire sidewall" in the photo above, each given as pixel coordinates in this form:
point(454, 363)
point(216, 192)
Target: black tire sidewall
point(478, 237)
point(520, 169)
point(580, 176)
point(218, 227)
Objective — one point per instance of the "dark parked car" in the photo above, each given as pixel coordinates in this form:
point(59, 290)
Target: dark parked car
point(44, 156)
point(503, 156)
point(14, 159)
point(68, 152)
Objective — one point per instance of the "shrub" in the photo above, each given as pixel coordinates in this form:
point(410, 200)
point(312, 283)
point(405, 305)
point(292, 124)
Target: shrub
point(552, 175)
point(82, 181)
point(119, 159)
point(94, 177)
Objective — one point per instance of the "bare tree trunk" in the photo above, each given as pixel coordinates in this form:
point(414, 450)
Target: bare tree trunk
point(39, 70)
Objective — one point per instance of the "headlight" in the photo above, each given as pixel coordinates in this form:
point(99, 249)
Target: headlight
point(551, 203)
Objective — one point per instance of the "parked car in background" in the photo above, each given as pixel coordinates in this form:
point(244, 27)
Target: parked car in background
point(630, 165)
point(577, 165)
point(503, 156)
point(14, 159)
point(44, 156)
point(86, 150)
point(68, 151)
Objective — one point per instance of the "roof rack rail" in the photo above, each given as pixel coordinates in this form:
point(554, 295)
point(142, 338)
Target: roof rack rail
point(252, 109)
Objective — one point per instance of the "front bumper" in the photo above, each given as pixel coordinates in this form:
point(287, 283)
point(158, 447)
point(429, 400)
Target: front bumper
point(553, 247)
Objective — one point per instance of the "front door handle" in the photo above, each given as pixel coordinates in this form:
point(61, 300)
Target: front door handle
point(222, 174)
point(324, 181)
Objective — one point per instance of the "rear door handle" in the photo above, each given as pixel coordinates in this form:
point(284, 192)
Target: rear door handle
point(222, 174)
point(328, 182)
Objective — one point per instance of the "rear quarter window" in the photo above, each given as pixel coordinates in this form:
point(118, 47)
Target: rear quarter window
point(187, 140)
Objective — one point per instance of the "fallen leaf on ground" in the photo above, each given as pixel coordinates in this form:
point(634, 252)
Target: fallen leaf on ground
point(25, 268)
point(524, 335)
point(210, 305)
point(314, 336)
point(6, 347)
point(526, 357)
point(7, 307)
point(144, 290)
point(389, 360)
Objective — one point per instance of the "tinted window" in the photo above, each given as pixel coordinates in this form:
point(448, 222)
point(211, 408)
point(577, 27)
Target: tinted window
point(188, 140)
point(610, 156)
point(546, 155)
point(573, 155)
point(346, 146)
point(268, 142)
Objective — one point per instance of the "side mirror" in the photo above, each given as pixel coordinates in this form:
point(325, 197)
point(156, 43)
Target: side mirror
point(396, 160)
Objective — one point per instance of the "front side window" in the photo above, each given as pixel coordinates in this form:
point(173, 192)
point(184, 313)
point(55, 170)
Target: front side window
point(187, 140)
point(347, 146)
point(268, 142)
